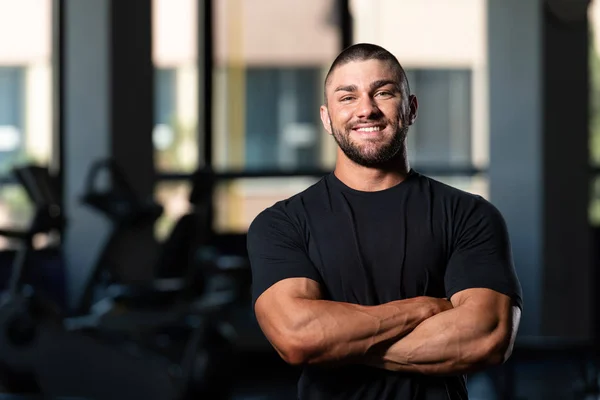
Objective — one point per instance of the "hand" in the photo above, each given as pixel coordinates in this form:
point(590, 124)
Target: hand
point(432, 305)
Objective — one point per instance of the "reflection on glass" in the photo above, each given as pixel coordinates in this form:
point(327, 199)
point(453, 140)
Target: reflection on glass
point(175, 56)
point(16, 211)
point(238, 202)
point(174, 197)
point(268, 87)
point(594, 210)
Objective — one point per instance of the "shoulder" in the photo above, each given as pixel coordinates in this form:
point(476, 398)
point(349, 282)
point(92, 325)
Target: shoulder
point(462, 210)
point(289, 213)
point(442, 189)
point(459, 200)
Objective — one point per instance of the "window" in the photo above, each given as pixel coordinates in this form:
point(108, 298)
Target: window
point(594, 59)
point(267, 97)
point(174, 197)
point(266, 101)
point(239, 201)
point(175, 37)
point(443, 135)
point(595, 201)
point(282, 126)
point(594, 16)
point(11, 116)
point(15, 210)
point(26, 132)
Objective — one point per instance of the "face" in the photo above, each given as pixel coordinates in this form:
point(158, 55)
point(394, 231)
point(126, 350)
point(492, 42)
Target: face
point(365, 112)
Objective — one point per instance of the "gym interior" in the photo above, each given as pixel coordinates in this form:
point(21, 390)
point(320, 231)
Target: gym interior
point(139, 139)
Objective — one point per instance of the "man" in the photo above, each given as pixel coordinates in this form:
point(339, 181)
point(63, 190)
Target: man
point(381, 282)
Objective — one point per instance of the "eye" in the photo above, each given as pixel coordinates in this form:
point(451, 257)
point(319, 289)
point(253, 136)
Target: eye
point(346, 98)
point(384, 94)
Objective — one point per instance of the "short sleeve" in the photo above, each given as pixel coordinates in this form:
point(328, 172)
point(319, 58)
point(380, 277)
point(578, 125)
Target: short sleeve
point(482, 255)
point(276, 251)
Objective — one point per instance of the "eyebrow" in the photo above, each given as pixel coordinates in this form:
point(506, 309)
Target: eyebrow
point(384, 82)
point(374, 85)
point(347, 88)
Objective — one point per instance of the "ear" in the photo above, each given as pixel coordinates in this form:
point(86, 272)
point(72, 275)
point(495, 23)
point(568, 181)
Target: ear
point(325, 119)
point(413, 106)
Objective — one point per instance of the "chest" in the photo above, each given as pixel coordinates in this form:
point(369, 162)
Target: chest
point(372, 256)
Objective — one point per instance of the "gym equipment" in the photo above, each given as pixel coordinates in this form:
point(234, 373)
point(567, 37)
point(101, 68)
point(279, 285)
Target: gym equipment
point(114, 351)
point(180, 267)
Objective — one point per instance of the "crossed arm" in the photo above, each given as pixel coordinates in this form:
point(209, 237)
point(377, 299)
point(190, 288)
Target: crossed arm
point(476, 328)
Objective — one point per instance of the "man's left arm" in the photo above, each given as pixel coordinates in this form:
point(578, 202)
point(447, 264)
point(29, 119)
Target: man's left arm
point(485, 292)
point(478, 332)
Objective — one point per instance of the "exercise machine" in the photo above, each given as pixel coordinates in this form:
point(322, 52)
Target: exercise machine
point(115, 350)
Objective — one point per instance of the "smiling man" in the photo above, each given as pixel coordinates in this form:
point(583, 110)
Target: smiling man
point(382, 282)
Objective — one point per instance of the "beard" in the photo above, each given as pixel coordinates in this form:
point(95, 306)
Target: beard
point(372, 153)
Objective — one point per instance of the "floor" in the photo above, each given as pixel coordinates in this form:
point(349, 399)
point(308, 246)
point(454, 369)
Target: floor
point(551, 379)
point(533, 381)
point(533, 373)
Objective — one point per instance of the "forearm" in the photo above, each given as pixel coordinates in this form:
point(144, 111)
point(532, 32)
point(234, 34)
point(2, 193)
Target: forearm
point(334, 332)
point(452, 342)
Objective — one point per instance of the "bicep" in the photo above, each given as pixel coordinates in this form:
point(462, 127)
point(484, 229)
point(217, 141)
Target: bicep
point(277, 252)
point(482, 255)
point(283, 276)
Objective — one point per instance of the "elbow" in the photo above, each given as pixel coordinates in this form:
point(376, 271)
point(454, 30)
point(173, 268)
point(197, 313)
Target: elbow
point(497, 349)
point(294, 356)
point(295, 350)
point(501, 340)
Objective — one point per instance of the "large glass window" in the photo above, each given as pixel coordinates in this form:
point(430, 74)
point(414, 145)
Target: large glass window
point(26, 132)
point(268, 87)
point(175, 56)
point(267, 92)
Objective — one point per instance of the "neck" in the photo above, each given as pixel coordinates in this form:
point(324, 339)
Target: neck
point(371, 179)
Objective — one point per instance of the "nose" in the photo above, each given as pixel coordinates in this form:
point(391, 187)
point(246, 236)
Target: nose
point(366, 107)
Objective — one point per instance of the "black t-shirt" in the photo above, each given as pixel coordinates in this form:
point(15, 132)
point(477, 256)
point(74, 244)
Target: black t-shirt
point(418, 238)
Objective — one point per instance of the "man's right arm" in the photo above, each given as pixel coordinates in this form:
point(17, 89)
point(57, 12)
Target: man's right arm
point(305, 329)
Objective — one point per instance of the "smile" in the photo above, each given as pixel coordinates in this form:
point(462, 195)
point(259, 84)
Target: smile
point(368, 129)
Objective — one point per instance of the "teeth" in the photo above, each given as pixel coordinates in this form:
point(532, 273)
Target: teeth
point(370, 129)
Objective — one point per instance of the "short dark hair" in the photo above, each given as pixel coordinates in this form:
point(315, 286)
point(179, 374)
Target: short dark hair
point(368, 51)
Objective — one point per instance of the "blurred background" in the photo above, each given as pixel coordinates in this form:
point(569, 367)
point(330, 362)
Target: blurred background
point(139, 139)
